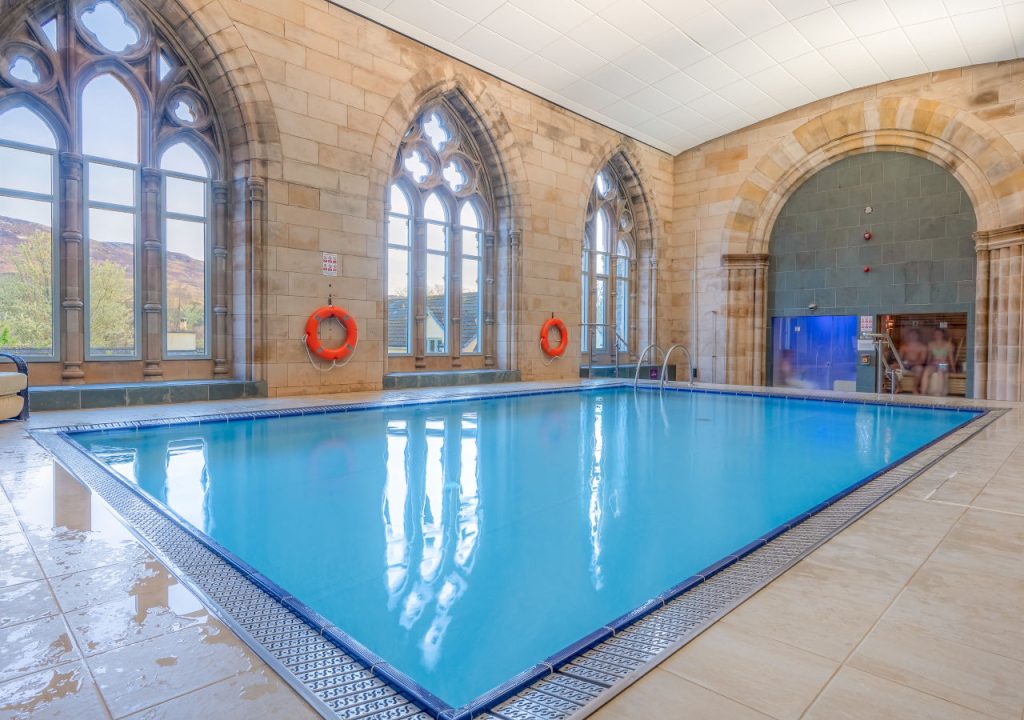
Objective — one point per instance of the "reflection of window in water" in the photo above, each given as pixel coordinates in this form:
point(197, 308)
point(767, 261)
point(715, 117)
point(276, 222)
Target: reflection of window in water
point(395, 490)
point(187, 482)
point(120, 460)
point(595, 479)
point(431, 506)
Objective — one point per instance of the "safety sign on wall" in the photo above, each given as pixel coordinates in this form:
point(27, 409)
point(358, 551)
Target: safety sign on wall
point(330, 264)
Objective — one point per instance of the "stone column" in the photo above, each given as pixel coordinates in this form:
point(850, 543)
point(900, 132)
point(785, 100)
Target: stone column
point(255, 211)
point(981, 321)
point(72, 264)
point(999, 313)
point(219, 333)
point(633, 316)
point(152, 277)
point(513, 311)
point(490, 291)
point(745, 318)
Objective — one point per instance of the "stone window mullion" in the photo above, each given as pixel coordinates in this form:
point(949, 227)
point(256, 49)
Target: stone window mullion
point(419, 290)
point(490, 261)
point(455, 294)
point(220, 281)
point(72, 266)
point(151, 290)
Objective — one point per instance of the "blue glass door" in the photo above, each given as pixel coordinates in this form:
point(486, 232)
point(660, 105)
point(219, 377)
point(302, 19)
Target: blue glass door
point(815, 352)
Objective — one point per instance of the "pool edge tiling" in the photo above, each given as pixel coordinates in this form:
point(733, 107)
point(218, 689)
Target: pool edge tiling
point(351, 684)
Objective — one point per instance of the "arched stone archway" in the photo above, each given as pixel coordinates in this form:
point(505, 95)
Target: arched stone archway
point(506, 174)
point(984, 163)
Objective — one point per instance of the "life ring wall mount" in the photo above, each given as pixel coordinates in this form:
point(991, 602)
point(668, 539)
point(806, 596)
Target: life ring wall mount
point(545, 337)
point(335, 355)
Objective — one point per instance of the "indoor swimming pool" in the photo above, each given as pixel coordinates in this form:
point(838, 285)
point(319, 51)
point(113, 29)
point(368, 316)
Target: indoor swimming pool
point(462, 543)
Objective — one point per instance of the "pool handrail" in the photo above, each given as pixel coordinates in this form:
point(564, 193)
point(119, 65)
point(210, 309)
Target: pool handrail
point(640, 362)
point(689, 364)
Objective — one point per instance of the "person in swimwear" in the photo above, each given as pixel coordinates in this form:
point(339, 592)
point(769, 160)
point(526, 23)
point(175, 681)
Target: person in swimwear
point(914, 354)
point(940, 359)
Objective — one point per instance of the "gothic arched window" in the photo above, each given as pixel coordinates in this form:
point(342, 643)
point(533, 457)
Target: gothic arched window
point(439, 215)
point(608, 269)
point(109, 197)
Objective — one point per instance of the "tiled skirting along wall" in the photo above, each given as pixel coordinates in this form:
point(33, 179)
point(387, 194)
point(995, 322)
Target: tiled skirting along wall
point(608, 661)
point(75, 397)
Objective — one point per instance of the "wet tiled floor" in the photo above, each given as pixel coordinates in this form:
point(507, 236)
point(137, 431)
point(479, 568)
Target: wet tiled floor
point(915, 611)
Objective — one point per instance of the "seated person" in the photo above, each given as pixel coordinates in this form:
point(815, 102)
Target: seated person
point(940, 359)
point(914, 354)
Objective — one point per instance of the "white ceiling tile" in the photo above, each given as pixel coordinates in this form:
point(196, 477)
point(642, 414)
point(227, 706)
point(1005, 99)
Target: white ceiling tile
point(779, 85)
point(816, 74)
point(746, 58)
point(911, 12)
point(713, 106)
point(475, 10)
point(485, 43)
point(985, 35)
point(653, 100)
point(854, 63)
point(657, 127)
point(783, 42)
point(761, 106)
point(684, 117)
point(681, 87)
point(679, 11)
point(792, 9)
point(956, 7)
point(866, 17)
point(545, 72)
point(1015, 18)
point(615, 80)
point(597, 5)
point(938, 44)
point(519, 27)
point(744, 93)
point(712, 73)
point(627, 112)
point(645, 65)
point(635, 18)
point(684, 138)
point(712, 30)
point(751, 16)
point(602, 38)
point(823, 28)
point(894, 53)
point(677, 48)
point(563, 15)
point(572, 56)
point(588, 94)
point(432, 17)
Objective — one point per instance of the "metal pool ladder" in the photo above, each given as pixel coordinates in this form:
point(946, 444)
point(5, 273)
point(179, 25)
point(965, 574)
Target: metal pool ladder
point(689, 364)
point(664, 364)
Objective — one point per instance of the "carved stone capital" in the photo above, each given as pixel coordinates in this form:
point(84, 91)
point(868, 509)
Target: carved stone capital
point(999, 237)
point(745, 261)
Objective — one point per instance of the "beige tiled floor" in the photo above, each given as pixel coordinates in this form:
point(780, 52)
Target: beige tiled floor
point(915, 611)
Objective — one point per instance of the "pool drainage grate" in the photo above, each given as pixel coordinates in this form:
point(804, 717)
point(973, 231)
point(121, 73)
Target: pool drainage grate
point(339, 686)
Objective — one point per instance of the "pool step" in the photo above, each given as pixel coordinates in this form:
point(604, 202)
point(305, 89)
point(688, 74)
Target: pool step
point(75, 397)
point(647, 372)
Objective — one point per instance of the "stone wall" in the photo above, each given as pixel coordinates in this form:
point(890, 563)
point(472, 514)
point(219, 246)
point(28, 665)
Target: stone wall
point(341, 92)
point(730, 191)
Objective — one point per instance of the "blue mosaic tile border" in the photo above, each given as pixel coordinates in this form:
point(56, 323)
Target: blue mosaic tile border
point(563, 684)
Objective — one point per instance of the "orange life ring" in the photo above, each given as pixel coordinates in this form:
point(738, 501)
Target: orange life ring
point(545, 343)
point(313, 336)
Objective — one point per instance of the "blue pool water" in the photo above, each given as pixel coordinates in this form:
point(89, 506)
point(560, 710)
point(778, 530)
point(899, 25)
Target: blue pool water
point(465, 542)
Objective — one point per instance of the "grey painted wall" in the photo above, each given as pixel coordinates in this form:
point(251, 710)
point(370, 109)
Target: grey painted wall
point(921, 255)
